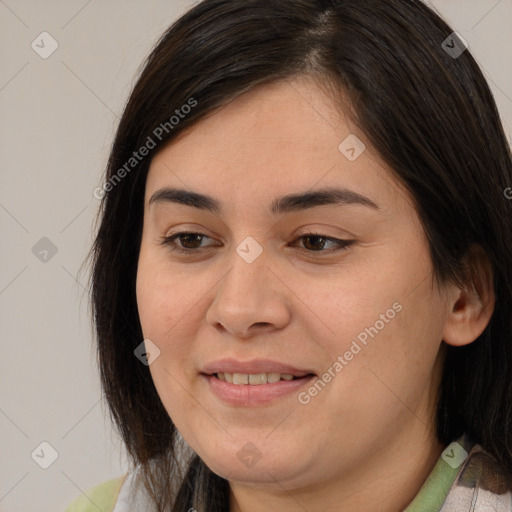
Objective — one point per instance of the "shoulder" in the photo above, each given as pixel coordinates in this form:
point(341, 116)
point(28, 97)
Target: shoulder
point(481, 485)
point(103, 497)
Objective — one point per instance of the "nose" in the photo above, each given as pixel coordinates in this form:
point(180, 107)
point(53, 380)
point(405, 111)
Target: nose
point(250, 299)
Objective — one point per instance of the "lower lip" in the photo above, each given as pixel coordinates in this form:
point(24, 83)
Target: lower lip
point(248, 395)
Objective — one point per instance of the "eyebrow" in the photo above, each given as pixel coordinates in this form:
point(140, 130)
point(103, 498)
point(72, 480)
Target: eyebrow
point(284, 204)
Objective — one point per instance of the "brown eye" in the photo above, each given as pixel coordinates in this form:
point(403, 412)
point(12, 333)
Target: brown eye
point(187, 239)
point(314, 242)
point(188, 242)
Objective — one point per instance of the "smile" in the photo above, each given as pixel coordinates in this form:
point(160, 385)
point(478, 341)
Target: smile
point(254, 379)
point(249, 390)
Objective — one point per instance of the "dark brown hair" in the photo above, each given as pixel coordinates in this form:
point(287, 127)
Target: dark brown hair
point(429, 114)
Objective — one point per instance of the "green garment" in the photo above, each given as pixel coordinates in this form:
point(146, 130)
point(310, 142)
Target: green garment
point(433, 493)
point(102, 497)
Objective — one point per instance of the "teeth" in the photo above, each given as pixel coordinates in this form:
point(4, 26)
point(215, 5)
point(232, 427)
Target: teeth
point(273, 377)
point(240, 378)
point(255, 379)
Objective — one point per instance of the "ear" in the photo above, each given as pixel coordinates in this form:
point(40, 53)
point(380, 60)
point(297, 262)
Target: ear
point(470, 307)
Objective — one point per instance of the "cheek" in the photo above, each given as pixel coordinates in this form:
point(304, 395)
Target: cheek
point(166, 301)
point(165, 308)
point(171, 312)
point(357, 309)
point(385, 331)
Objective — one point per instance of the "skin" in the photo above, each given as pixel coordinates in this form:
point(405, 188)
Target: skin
point(368, 437)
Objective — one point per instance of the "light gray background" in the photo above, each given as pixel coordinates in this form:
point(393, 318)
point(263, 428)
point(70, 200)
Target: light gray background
point(57, 119)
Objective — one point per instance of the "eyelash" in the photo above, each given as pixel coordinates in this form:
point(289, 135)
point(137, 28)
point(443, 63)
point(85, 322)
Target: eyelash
point(169, 242)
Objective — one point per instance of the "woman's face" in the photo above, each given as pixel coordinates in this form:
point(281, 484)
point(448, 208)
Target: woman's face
point(257, 296)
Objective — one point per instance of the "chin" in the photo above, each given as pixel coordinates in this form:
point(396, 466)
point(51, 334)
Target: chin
point(246, 463)
point(260, 475)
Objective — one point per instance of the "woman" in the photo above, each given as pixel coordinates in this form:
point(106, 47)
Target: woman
point(302, 278)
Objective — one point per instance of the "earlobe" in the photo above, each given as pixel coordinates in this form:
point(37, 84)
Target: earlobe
point(470, 307)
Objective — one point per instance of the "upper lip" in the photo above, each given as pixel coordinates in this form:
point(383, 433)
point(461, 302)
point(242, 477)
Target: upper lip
point(252, 367)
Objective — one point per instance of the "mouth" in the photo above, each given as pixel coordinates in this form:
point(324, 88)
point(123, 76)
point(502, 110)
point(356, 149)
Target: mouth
point(255, 372)
point(252, 395)
point(254, 383)
point(257, 379)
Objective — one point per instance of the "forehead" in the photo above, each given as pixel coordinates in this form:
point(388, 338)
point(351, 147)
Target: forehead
point(276, 139)
point(272, 116)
